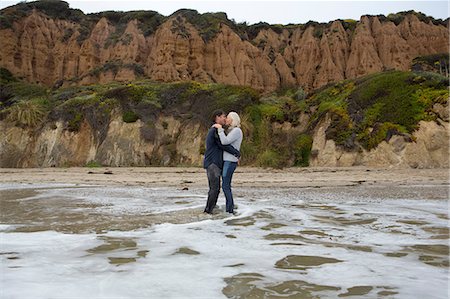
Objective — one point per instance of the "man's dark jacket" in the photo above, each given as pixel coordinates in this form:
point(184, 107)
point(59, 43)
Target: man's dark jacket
point(214, 149)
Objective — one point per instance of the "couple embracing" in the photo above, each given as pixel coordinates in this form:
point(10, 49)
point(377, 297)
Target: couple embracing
point(221, 157)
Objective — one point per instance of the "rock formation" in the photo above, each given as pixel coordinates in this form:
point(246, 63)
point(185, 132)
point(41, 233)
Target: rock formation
point(170, 144)
point(430, 149)
point(58, 51)
point(49, 50)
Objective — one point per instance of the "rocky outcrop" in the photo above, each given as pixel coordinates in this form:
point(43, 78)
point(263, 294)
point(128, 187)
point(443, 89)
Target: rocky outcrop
point(169, 141)
point(166, 142)
point(48, 51)
point(430, 149)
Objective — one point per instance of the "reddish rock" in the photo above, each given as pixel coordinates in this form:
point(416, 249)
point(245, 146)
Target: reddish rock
point(45, 50)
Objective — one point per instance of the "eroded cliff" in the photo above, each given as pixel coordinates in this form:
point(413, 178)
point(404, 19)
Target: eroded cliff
point(100, 48)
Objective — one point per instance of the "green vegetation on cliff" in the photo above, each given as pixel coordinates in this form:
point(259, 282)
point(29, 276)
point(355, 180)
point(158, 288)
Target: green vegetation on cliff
point(371, 109)
point(397, 18)
point(52, 8)
point(437, 63)
point(278, 127)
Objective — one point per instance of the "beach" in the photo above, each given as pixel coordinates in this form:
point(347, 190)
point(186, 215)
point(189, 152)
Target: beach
point(298, 233)
point(181, 177)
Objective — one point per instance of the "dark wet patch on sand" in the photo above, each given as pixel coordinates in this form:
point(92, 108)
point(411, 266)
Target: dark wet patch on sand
point(364, 248)
point(434, 261)
point(305, 241)
point(299, 289)
point(113, 245)
point(245, 221)
point(442, 216)
point(284, 237)
point(11, 255)
point(413, 222)
point(263, 215)
point(303, 262)
point(287, 244)
point(314, 233)
point(438, 249)
point(235, 265)
point(300, 206)
point(121, 260)
point(271, 226)
point(395, 254)
point(186, 250)
point(240, 286)
point(435, 255)
point(440, 232)
point(252, 285)
point(386, 293)
point(142, 253)
point(358, 248)
point(396, 231)
point(357, 291)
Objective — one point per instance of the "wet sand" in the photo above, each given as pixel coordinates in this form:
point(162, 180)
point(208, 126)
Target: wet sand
point(183, 177)
point(299, 233)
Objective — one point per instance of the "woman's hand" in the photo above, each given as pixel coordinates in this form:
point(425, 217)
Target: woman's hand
point(217, 126)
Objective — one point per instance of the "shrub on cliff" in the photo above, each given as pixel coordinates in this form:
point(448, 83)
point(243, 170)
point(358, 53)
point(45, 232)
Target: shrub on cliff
point(129, 117)
point(27, 113)
point(53, 8)
point(208, 24)
point(93, 108)
point(371, 109)
point(265, 133)
point(438, 63)
point(302, 149)
point(393, 93)
point(16, 97)
point(397, 18)
point(26, 91)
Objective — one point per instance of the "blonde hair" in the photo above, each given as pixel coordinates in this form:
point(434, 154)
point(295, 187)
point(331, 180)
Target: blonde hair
point(236, 120)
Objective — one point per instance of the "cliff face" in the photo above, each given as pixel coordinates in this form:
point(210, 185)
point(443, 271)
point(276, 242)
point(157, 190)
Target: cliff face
point(172, 143)
point(178, 143)
point(430, 149)
point(50, 50)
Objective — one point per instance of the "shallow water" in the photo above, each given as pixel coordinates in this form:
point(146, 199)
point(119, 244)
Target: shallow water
point(60, 241)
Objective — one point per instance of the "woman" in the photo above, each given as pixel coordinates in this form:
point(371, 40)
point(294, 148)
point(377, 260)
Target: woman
point(234, 137)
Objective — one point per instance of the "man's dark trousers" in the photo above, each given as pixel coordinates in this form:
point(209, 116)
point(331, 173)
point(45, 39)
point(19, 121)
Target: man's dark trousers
point(213, 173)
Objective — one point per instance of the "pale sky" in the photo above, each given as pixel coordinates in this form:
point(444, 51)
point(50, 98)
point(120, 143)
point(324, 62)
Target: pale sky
point(272, 12)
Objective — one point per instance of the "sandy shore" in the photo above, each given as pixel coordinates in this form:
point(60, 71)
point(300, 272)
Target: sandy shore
point(244, 177)
point(385, 229)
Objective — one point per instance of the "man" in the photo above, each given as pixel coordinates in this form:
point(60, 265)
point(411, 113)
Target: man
point(213, 161)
